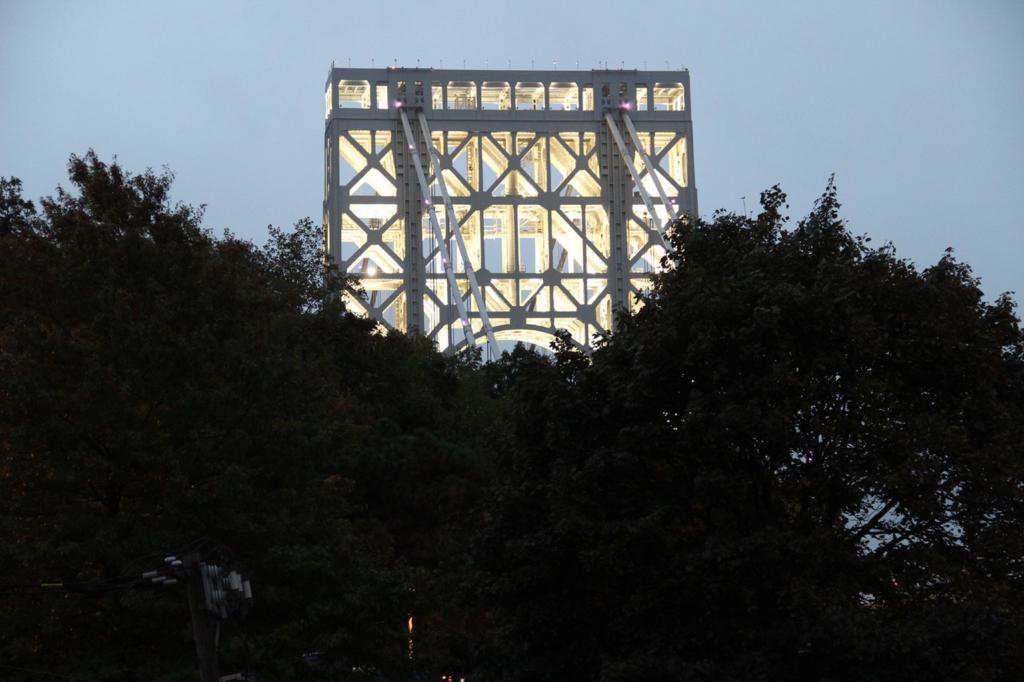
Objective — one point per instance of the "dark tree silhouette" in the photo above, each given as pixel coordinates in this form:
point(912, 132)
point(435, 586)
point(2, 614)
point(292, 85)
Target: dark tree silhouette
point(160, 386)
point(802, 459)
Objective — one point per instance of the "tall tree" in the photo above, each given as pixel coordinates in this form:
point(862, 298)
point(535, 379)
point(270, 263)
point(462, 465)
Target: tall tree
point(162, 389)
point(801, 459)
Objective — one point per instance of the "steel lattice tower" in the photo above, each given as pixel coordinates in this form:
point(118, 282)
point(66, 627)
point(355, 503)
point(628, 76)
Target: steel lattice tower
point(560, 183)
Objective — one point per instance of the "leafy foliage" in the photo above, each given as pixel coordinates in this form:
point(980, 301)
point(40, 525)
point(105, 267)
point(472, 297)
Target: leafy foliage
point(159, 385)
point(801, 459)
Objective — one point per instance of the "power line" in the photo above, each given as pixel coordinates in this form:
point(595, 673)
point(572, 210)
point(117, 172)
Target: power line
point(41, 672)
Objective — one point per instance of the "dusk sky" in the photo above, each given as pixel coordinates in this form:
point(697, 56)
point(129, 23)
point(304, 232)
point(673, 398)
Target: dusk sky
point(917, 107)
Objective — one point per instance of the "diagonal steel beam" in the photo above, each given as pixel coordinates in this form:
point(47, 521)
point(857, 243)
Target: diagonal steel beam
point(446, 261)
point(617, 136)
point(652, 170)
point(456, 229)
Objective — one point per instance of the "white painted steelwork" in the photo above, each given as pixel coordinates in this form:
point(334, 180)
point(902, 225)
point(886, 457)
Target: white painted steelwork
point(557, 218)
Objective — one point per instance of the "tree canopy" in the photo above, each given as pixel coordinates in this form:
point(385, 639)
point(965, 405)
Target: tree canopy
point(161, 387)
point(801, 458)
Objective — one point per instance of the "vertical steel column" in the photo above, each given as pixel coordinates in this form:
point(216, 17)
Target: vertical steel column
point(456, 229)
point(690, 195)
point(619, 203)
point(467, 328)
point(332, 198)
point(408, 207)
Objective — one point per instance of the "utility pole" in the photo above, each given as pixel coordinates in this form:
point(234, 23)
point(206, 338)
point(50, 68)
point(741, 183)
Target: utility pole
point(205, 627)
point(214, 595)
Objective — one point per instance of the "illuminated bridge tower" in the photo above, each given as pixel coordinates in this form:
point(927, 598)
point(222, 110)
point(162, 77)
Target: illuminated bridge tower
point(486, 206)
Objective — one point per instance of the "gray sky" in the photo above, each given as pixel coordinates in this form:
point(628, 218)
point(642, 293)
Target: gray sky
point(918, 107)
